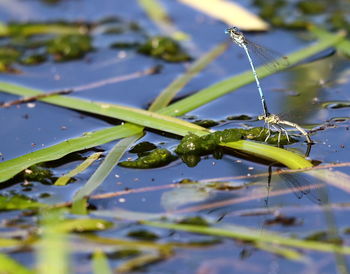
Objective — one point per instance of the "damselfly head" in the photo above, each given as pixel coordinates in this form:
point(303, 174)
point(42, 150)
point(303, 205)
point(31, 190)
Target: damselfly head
point(236, 35)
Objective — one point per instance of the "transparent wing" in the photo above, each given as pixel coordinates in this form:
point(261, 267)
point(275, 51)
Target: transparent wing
point(271, 60)
point(300, 184)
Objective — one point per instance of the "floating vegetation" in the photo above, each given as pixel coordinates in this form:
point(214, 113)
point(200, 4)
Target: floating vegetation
point(69, 47)
point(8, 56)
point(242, 117)
point(143, 234)
point(193, 146)
point(156, 158)
point(36, 173)
point(206, 123)
point(278, 14)
point(196, 220)
point(33, 43)
point(164, 48)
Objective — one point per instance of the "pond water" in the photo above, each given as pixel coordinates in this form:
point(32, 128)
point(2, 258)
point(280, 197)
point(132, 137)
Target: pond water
point(312, 94)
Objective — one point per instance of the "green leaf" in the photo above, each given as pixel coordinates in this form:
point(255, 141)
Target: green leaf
point(62, 181)
point(248, 234)
point(104, 169)
point(10, 266)
point(83, 225)
point(11, 167)
point(100, 263)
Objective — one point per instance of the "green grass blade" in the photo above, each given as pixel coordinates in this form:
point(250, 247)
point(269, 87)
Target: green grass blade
point(164, 98)
point(129, 114)
point(10, 266)
point(248, 234)
point(100, 263)
point(63, 180)
point(321, 33)
point(104, 169)
point(155, 11)
point(11, 167)
point(53, 246)
point(163, 123)
point(159, 16)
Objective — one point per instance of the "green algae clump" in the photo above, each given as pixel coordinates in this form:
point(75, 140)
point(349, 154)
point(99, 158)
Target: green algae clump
point(68, 47)
point(164, 48)
point(156, 158)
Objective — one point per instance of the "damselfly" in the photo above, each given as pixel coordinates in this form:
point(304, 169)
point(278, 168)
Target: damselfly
point(271, 120)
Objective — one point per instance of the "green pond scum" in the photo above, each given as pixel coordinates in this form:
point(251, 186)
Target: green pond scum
point(156, 158)
point(192, 147)
point(195, 220)
point(69, 47)
point(143, 234)
point(32, 43)
point(36, 173)
point(277, 13)
point(164, 48)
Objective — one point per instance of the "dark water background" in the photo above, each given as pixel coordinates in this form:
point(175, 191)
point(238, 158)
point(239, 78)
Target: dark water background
point(297, 93)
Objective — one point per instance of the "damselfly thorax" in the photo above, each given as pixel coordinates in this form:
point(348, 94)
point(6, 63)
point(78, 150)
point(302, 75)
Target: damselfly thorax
point(237, 36)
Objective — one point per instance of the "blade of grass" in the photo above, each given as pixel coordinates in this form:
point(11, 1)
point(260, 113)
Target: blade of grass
point(248, 234)
point(129, 114)
point(100, 263)
point(321, 33)
point(164, 98)
point(159, 16)
point(103, 170)
point(168, 124)
point(10, 266)
point(52, 253)
point(11, 167)
point(63, 180)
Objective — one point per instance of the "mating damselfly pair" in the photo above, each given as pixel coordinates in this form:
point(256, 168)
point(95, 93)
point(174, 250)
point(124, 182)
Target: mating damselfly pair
point(273, 121)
